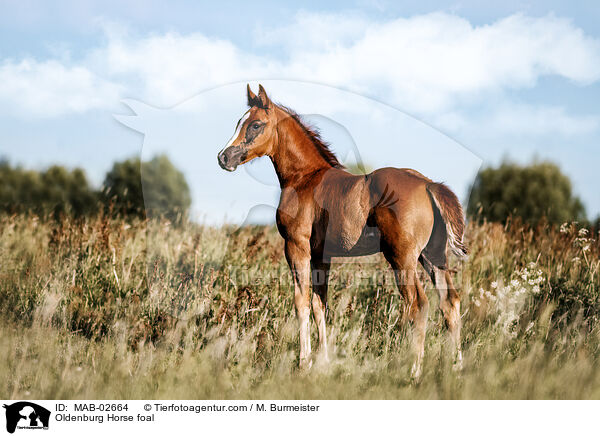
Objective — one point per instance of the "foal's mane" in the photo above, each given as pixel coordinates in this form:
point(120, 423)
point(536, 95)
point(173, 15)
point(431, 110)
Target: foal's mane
point(315, 137)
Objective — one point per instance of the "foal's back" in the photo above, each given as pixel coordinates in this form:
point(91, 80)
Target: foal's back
point(401, 206)
point(353, 212)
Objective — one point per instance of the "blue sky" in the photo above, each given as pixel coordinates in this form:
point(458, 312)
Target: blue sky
point(515, 79)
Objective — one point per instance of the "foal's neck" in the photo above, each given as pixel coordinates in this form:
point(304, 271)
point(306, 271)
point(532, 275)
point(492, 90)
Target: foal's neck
point(295, 155)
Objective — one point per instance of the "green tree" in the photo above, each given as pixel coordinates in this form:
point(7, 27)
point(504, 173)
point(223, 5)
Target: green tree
point(156, 187)
point(122, 188)
point(56, 190)
point(166, 192)
point(531, 192)
point(68, 191)
point(596, 225)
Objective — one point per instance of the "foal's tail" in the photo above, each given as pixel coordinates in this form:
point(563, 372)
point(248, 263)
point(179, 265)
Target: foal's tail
point(452, 213)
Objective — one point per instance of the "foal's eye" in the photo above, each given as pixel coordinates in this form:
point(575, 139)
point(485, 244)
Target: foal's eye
point(256, 126)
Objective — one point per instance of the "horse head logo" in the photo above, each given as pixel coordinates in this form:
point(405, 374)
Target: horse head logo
point(25, 414)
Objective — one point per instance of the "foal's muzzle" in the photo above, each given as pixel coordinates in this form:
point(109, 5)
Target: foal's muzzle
point(231, 157)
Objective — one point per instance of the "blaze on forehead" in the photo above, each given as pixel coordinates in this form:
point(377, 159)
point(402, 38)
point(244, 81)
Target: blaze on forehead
point(254, 115)
point(242, 120)
point(250, 126)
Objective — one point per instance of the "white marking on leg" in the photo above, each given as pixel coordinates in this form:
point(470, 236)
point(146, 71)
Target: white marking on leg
point(304, 324)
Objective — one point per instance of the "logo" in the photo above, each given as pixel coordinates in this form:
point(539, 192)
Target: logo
point(26, 415)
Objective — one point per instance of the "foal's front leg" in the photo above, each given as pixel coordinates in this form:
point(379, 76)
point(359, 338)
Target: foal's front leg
point(298, 257)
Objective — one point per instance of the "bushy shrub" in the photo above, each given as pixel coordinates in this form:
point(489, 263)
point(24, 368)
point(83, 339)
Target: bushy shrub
point(530, 192)
point(136, 188)
point(56, 190)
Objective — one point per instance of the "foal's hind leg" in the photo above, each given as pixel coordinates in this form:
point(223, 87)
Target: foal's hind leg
point(450, 308)
point(320, 280)
point(449, 303)
point(404, 264)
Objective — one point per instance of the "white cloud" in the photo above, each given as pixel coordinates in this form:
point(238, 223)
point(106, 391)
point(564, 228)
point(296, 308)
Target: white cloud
point(31, 88)
point(315, 32)
point(425, 64)
point(519, 120)
point(169, 68)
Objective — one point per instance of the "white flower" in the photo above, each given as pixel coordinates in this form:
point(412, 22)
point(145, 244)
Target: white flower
point(583, 232)
point(494, 285)
point(477, 303)
point(535, 289)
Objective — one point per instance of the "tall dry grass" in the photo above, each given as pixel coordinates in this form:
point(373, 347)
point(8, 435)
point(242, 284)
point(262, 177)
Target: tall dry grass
point(103, 308)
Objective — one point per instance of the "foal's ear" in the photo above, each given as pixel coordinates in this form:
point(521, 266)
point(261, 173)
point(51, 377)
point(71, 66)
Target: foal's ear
point(262, 96)
point(253, 100)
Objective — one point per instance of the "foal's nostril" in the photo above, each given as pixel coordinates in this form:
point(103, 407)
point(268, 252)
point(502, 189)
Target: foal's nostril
point(231, 157)
point(223, 158)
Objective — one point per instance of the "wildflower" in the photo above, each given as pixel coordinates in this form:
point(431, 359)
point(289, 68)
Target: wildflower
point(514, 283)
point(576, 260)
point(583, 232)
point(564, 228)
point(477, 303)
point(535, 289)
point(494, 285)
point(529, 326)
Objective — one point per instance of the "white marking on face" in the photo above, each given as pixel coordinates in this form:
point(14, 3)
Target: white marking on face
point(237, 130)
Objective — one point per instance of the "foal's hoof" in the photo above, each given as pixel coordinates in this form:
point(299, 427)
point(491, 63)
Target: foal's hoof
point(458, 363)
point(416, 371)
point(305, 364)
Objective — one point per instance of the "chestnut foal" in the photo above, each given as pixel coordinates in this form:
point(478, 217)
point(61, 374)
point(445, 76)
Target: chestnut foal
point(326, 212)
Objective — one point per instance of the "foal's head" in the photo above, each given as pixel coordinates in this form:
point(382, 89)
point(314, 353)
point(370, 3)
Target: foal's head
point(255, 133)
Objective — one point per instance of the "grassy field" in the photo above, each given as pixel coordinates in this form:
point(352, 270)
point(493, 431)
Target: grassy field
point(124, 310)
